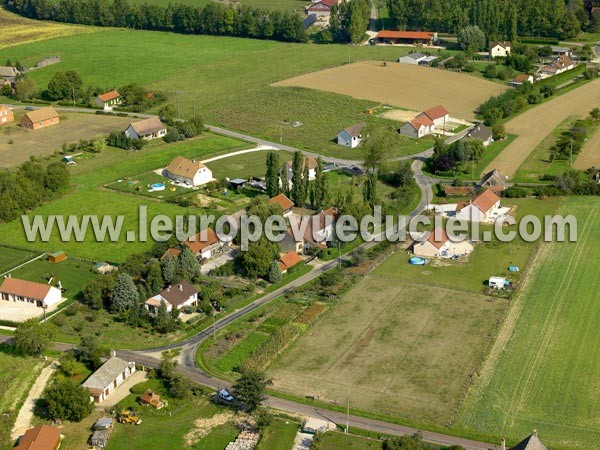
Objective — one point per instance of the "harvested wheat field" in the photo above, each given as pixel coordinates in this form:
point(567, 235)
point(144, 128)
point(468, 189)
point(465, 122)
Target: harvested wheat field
point(402, 85)
point(17, 30)
point(590, 155)
point(534, 125)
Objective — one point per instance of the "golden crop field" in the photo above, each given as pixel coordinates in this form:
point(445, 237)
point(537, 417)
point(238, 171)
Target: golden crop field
point(16, 30)
point(402, 85)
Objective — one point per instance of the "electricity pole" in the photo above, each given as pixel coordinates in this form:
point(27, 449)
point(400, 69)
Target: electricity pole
point(348, 413)
point(571, 152)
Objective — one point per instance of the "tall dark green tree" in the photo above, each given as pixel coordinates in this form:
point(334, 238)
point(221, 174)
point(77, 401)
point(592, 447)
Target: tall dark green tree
point(125, 294)
point(297, 193)
point(272, 174)
point(250, 389)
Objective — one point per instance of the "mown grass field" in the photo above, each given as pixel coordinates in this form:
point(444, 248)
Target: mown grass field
point(88, 197)
point(543, 373)
point(245, 165)
point(17, 373)
point(221, 78)
point(488, 258)
point(10, 257)
point(17, 30)
point(403, 350)
point(280, 434)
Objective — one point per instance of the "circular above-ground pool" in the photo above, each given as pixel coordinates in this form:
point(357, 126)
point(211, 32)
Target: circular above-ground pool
point(417, 261)
point(158, 186)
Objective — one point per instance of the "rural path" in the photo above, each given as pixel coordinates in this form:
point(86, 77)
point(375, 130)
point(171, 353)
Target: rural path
point(23, 420)
point(534, 125)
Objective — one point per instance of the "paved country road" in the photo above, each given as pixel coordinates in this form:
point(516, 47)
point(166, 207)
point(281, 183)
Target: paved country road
point(188, 366)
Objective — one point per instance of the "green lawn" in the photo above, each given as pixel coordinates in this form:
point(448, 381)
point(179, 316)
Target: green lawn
point(279, 435)
point(17, 374)
point(89, 198)
point(166, 428)
point(488, 258)
point(10, 257)
point(72, 274)
point(218, 438)
point(334, 440)
point(543, 375)
point(245, 165)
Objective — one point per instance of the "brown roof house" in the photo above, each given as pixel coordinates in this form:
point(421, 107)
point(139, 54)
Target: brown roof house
point(494, 180)
point(8, 74)
point(290, 244)
point(150, 398)
point(42, 437)
point(177, 296)
point(147, 129)
point(40, 118)
point(500, 49)
point(206, 244)
point(188, 171)
point(438, 115)
point(29, 292)
point(285, 203)
point(351, 136)
point(418, 127)
point(108, 377)
point(108, 100)
point(320, 229)
point(481, 208)
point(6, 115)
point(288, 261)
point(436, 243)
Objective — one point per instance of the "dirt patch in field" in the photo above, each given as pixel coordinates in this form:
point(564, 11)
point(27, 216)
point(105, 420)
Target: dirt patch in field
point(203, 426)
point(403, 85)
point(590, 155)
point(534, 125)
point(17, 145)
point(399, 115)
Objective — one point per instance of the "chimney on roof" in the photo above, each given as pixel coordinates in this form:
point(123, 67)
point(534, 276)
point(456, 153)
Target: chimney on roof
point(535, 433)
point(181, 287)
point(503, 444)
point(169, 288)
point(113, 353)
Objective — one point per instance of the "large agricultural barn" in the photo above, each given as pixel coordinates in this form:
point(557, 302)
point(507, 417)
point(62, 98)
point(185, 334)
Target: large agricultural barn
point(40, 118)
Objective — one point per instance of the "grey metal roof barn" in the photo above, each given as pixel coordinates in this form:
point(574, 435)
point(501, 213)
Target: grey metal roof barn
point(107, 373)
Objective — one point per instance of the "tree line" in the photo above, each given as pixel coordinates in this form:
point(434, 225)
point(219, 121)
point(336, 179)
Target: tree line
point(211, 19)
point(30, 186)
point(499, 19)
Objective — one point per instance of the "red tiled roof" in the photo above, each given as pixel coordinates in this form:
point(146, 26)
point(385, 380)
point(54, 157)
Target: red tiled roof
point(171, 253)
point(43, 437)
point(521, 78)
point(282, 201)
point(438, 237)
point(24, 288)
point(421, 120)
point(437, 112)
point(289, 260)
point(486, 200)
point(108, 96)
point(196, 244)
point(390, 34)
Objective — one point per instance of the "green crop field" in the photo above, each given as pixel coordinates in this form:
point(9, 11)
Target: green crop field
point(403, 350)
point(220, 77)
point(88, 196)
point(544, 374)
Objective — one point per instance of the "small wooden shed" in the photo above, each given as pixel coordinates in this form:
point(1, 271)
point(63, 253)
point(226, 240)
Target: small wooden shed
point(57, 257)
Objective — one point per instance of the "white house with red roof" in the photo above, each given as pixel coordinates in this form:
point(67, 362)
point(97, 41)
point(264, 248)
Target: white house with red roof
point(483, 208)
point(29, 292)
point(322, 8)
point(109, 99)
point(426, 122)
point(436, 242)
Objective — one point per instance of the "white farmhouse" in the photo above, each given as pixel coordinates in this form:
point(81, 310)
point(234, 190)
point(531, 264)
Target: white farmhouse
point(188, 171)
point(312, 168)
point(499, 49)
point(418, 127)
point(35, 294)
point(351, 136)
point(147, 129)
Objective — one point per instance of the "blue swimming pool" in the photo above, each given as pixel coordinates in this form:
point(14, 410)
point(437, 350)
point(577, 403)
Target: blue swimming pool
point(417, 261)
